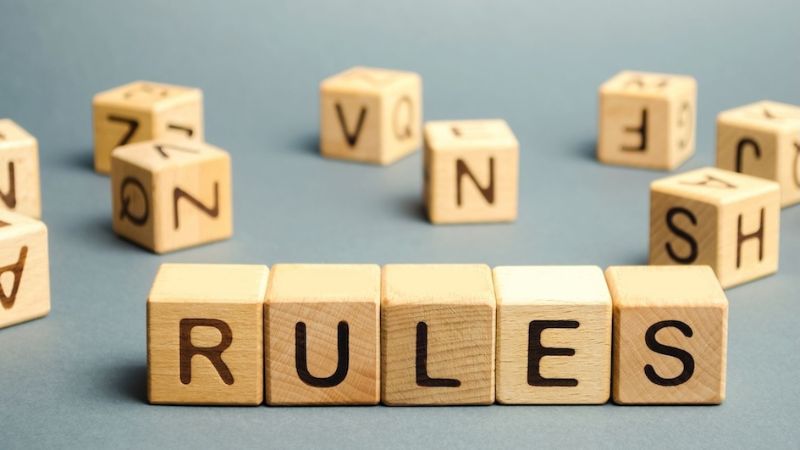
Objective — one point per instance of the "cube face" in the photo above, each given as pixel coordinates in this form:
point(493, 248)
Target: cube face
point(437, 335)
point(670, 335)
point(647, 120)
point(553, 335)
point(24, 269)
point(370, 115)
point(762, 139)
point(142, 111)
point(714, 217)
point(471, 171)
point(19, 170)
point(323, 335)
point(205, 334)
point(171, 194)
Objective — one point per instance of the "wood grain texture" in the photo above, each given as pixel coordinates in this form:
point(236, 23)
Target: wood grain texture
point(20, 189)
point(660, 301)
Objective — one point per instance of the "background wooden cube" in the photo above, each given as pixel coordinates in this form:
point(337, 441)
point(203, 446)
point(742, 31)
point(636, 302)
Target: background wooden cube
point(762, 139)
point(142, 111)
point(205, 334)
point(670, 335)
point(647, 120)
point(19, 170)
point(323, 334)
point(437, 335)
point(370, 115)
point(471, 171)
point(170, 194)
point(24, 269)
point(714, 217)
point(553, 335)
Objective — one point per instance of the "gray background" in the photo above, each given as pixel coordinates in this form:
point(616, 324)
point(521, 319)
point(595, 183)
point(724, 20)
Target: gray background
point(77, 377)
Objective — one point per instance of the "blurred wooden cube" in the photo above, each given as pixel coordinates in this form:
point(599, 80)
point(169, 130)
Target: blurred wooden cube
point(19, 170)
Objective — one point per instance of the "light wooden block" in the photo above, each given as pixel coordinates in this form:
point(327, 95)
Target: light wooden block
point(553, 335)
point(762, 139)
point(437, 335)
point(19, 170)
point(670, 335)
point(24, 269)
point(471, 171)
point(205, 334)
point(170, 194)
point(718, 218)
point(370, 115)
point(647, 120)
point(143, 111)
point(323, 334)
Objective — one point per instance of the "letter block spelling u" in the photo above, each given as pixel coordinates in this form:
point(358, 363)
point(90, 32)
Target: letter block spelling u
point(437, 335)
point(19, 170)
point(205, 334)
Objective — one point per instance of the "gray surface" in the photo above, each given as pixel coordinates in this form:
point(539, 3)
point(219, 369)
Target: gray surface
point(77, 377)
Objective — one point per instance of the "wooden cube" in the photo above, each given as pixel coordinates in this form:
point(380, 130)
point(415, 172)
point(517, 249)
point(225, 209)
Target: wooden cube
point(553, 335)
point(471, 171)
point(647, 120)
point(143, 111)
point(370, 115)
point(718, 218)
point(24, 269)
point(170, 194)
point(323, 334)
point(205, 334)
point(437, 335)
point(762, 139)
point(19, 170)
point(670, 335)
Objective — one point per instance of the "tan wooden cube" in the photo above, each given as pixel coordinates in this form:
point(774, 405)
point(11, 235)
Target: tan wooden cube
point(370, 115)
point(647, 120)
point(471, 171)
point(24, 269)
point(19, 170)
point(762, 139)
point(437, 335)
point(553, 335)
point(170, 194)
point(143, 111)
point(670, 335)
point(322, 336)
point(205, 334)
point(718, 218)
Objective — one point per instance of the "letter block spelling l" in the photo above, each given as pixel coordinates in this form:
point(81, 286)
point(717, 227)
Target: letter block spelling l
point(19, 170)
point(205, 334)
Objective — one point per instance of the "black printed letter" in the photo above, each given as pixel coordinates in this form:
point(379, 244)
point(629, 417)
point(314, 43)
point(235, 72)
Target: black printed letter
point(684, 356)
point(214, 354)
point(422, 362)
point(536, 352)
point(301, 359)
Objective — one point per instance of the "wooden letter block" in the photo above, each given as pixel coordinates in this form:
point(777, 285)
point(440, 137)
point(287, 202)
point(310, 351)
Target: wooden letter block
point(718, 218)
point(437, 335)
point(171, 194)
point(19, 170)
point(143, 111)
point(670, 335)
point(763, 139)
point(205, 335)
point(370, 115)
point(24, 269)
point(553, 335)
point(471, 171)
point(323, 335)
point(647, 120)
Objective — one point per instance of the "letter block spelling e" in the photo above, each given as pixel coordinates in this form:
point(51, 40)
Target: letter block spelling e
point(323, 334)
point(19, 170)
point(205, 335)
point(370, 115)
point(437, 335)
point(24, 263)
point(553, 335)
point(670, 335)
point(171, 194)
point(647, 120)
point(713, 217)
